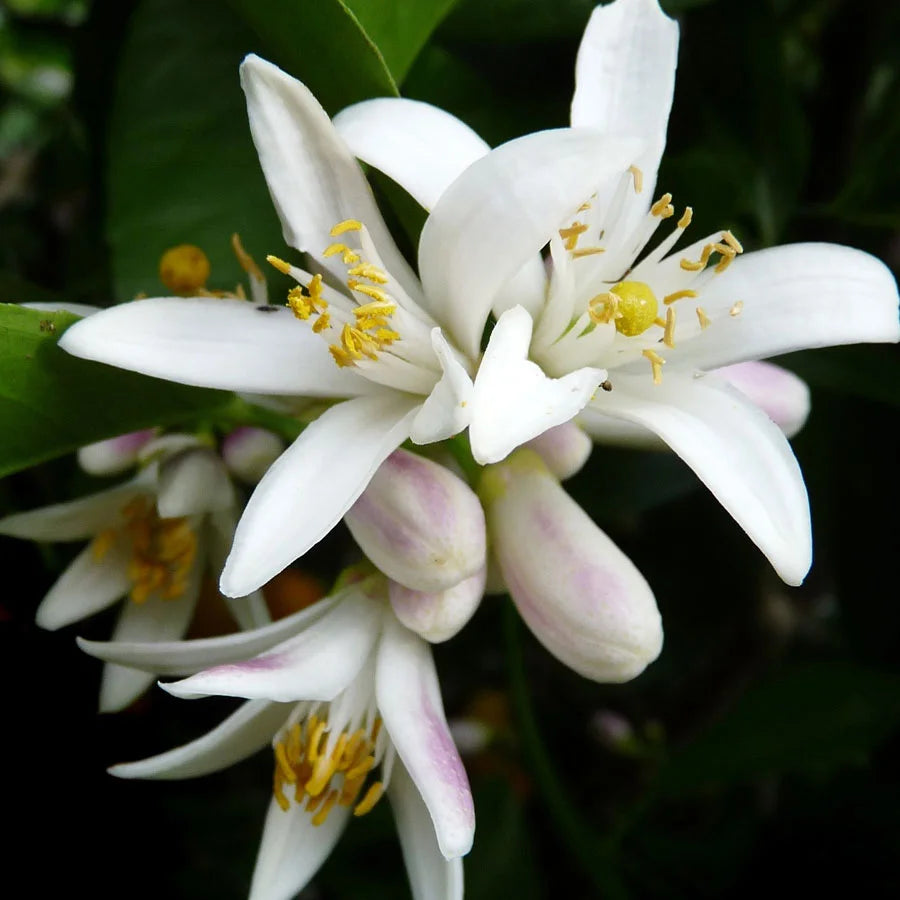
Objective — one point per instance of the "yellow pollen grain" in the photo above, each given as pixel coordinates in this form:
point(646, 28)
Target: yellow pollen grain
point(345, 226)
point(656, 364)
point(662, 206)
point(703, 318)
point(736, 309)
point(638, 177)
point(280, 264)
point(571, 234)
point(373, 795)
point(686, 217)
point(247, 262)
point(678, 295)
point(669, 336)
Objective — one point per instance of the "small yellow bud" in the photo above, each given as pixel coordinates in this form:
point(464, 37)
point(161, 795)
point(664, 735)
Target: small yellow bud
point(184, 269)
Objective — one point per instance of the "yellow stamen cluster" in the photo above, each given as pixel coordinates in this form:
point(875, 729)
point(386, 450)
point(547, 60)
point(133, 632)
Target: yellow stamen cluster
point(324, 777)
point(311, 302)
point(728, 248)
point(162, 551)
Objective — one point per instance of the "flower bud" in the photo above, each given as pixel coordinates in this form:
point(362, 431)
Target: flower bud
point(193, 482)
point(564, 449)
point(581, 596)
point(248, 452)
point(419, 524)
point(115, 455)
point(439, 615)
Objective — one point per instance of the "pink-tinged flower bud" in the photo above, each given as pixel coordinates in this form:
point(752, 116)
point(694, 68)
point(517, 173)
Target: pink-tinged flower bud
point(780, 394)
point(115, 455)
point(581, 596)
point(248, 452)
point(564, 449)
point(437, 616)
point(420, 524)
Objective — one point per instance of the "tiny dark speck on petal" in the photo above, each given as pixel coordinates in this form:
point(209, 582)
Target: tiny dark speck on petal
point(267, 309)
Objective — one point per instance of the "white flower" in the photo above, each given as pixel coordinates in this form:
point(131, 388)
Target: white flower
point(349, 700)
point(152, 539)
point(377, 339)
point(650, 325)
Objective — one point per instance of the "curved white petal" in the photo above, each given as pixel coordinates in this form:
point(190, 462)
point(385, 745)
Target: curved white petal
point(564, 449)
point(193, 482)
point(794, 297)
point(409, 698)
point(608, 430)
point(188, 657)
point(316, 664)
point(87, 586)
point(514, 401)
point(293, 849)
point(780, 394)
point(214, 342)
point(420, 146)
point(244, 732)
point(313, 178)
point(446, 410)
point(735, 450)
point(500, 212)
point(79, 519)
point(431, 876)
point(528, 288)
point(625, 76)
point(312, 484)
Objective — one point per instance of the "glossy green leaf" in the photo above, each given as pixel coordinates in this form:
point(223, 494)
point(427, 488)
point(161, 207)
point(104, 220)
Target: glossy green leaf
point(52, 403)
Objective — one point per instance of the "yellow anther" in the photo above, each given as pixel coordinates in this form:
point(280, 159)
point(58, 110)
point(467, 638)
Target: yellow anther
point(184, 269)
point(280, 264)
point(345, 226)
point(369, 290)
point(728, 256)
point(284, 766)
point(373, 795)
point(314, 739)
point(323, 323)
point(732, 242)
point(247, 262)
point(367, 270)
point(341, 357)
point(320, 817)
point(376, 308)
point(102, 544)
point(636, 309)
point(349, 256)
point(585, 206)
point(376, 730)
point(299, 303)
point(603, 308)
point(736, 309)
point(702, 318)
point(324, 768)
point(678, 295)
point(669, 336)
point(663, 207)
point(361, 768)
point(351, 749)
point(638, 177)
point(278, 794)
point(686, 217)
point(656, 364)
point(571, 234)
point(587, 251)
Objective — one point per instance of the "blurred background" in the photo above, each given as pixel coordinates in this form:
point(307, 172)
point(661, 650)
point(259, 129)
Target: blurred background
point(759, 753)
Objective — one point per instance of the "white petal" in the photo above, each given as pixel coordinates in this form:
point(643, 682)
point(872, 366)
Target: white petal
point(293, 849)
point(794, 297)
point(244, 732)
point(313, 178)
point(618, 432)
point(735, 450)
point(316, 664)
point(312, 484)
point(780, 394)
point(625, 76)
point(87, 586)
point(79, 519)
point(514, 401)
point(446, 410)
point(431, 877)
point(193, 482)
point(409, 698)
point(564, 449)
point(187, 657)
point(528, 288)
point(421, 147)
point(214, 342)
point(500, 212)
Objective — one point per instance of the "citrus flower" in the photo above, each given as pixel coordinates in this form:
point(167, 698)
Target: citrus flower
point(400, 352)
point(655, 324)
point(151, 540)
point(349, 701)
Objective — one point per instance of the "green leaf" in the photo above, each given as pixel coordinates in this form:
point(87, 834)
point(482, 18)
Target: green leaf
point(52, 403)
point(809, 718)
point(182, 168)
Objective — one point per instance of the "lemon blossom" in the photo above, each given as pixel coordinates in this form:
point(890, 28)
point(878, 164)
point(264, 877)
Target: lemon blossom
point(152, 539)
point(361, 327)
point(349, 701)
point(657, 322)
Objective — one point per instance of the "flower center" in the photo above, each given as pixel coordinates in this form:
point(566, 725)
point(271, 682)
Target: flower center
point(162, 551)
point(326, 769)
point(631, 305)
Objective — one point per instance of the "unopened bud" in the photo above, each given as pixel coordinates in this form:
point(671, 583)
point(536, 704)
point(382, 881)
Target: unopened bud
point(439, 615)
point(419, 524)
point(193, 482)
point(581, 596)
point(564, 449)
point(248, 452)
point(115, 455)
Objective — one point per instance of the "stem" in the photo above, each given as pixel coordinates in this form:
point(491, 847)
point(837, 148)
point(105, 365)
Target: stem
point(595, 856)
